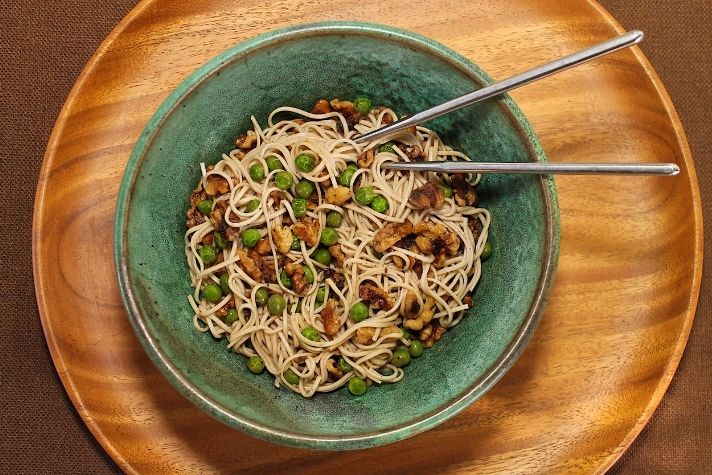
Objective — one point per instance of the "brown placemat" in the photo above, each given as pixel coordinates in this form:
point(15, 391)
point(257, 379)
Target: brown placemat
point(44, 44)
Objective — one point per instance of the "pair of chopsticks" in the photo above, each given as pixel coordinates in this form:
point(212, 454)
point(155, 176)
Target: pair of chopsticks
point(623, 41)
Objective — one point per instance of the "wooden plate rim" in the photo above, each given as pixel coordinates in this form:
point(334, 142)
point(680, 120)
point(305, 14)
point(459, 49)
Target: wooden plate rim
point(45, 174)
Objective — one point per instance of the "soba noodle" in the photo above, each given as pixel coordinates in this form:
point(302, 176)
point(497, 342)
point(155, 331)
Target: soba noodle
point(368, 346)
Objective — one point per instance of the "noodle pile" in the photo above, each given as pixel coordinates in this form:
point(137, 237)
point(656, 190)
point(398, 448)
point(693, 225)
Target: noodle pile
point(431, 290)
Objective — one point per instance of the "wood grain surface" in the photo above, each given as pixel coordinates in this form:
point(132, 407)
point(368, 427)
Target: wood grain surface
point(612, 334)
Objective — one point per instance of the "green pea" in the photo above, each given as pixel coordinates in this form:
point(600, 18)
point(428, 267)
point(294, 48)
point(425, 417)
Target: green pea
point(386, 147)
point(406, 333)
point(321, 294)
point(273, 163)
point(379, 204)
point(231, 316)
point(255, 364)
point(207, 254)
point(347, 175)
point(358, 312)
point(220, 241)
point(334, 219)
point(311, 333)
point(250, 237)
point(385, 371)
point(298, 307)
point(299, 206)
point(296, 246)
point(276, 304)
point(447, 190)
point(329, 237)
point(344, 365)
point(212, 293)
point(401, 357)
point(322, 256)
point(376, 254)
point(261, 296)
point(283, 180)
point(304, 189)
point(416, 348)
point(365, 195)
point(252, 205)
point(285, 279)
point(305, 162)
point(357, 386)
point(257, 172)
point(486, 251)
point(205, 206)
point(291, 377)
point(308, 274)
point(362, 104)
point(224, 286)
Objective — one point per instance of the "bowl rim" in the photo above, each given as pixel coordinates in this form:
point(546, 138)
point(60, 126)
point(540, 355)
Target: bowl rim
point(370, 439)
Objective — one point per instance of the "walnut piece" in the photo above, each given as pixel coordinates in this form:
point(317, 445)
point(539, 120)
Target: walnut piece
point(216, 185)
point(439, 235)
point(390, 234)
point(433, 334)
point(263, 248)
point(321, 107)
point(307, 229)
point(194, 216)
point(282, 238)
point(427, 196)
point(423, 318)
point(345, 107)
point(366, 159)
point(377, 296)
point(329, 319)
point(299, 282)
point(249, 265)
point(410, 307)
point(247, 140)
point(338, 254)
point(464, 192)
point(337, 195)
point(364, 335)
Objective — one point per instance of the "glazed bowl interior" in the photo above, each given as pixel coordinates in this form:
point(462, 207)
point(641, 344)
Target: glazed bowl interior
point(200, 121)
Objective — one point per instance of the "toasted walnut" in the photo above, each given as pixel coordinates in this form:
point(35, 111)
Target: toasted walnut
point(299, 282)
point(331, 368)
point(392, 330)
point(399, 262)
point(216, 185)
point(265, 265)
point(307, 229)
point(282, 238)
point(263, 248)
point(247, 140)
point(434, 333)
point(464, 192)
point(474, 225)
point(440, 259)
point(423, 318)
point(414, 153)
point(337, 195)
point(195, 217)
point(338, 254)
point(249, 265)
point(467, 300)
point(321, 107)
point(377, 296)
point(424, 244)
point(337, 278)
point(329, 319)
point(439, 235)
point(366, 158)
point(390, 234)
point(364, 335)
point(207, 239)
point(231, 233)
point(410, 306)
point(427, 196)
point(344, 107)
point(197, 196)
point(217, 214)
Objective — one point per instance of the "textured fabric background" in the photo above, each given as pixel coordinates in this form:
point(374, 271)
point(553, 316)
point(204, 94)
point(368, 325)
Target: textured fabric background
point(44, 44)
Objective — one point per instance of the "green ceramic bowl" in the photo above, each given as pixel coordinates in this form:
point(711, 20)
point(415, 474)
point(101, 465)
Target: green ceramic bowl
point(296, 66)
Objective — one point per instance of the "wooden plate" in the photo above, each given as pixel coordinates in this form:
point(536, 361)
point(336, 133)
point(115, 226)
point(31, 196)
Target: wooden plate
point(622, 305)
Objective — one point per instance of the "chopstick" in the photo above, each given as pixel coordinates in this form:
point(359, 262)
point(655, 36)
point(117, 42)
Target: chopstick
point(541, 168)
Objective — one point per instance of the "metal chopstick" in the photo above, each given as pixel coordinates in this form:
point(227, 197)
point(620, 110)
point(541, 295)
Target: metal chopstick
point(542, 168)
